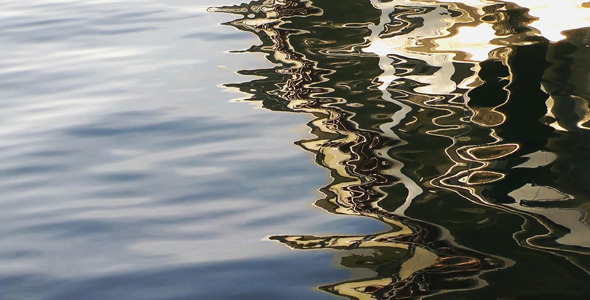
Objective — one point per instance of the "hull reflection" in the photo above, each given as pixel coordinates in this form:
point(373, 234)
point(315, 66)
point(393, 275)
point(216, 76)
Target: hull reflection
point(458, 124)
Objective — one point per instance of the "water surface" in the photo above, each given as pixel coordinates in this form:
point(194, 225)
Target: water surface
point(462, 125)
point(128, 173)
point(193, 149)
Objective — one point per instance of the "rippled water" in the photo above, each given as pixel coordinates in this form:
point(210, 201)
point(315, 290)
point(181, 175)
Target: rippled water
point(173, 149)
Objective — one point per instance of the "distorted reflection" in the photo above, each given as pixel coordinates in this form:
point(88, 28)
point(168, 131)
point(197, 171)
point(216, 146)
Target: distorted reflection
point(463, 125)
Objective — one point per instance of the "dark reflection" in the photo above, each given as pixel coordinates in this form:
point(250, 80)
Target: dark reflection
point(461, 127)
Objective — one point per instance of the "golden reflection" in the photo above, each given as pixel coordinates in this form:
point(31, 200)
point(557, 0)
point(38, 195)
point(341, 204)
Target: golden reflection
point(492, 152)
point(426, 104)
point(487, 33)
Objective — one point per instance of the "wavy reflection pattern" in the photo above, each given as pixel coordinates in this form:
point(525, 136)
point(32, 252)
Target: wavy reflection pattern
point(456, 123)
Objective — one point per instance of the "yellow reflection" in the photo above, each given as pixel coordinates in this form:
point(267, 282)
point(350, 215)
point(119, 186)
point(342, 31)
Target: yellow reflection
point(493, 151)
point(453, 37)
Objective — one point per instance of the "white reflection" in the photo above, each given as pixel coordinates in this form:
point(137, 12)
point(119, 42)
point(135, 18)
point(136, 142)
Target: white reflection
point(554, 17)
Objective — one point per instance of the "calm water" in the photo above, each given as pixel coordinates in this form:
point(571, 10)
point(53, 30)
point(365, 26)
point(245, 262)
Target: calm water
point(294, 149)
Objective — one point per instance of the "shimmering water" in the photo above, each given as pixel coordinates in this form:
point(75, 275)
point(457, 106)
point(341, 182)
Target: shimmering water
point(173, 149)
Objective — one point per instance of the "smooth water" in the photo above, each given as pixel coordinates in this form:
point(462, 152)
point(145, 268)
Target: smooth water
point(294, 149)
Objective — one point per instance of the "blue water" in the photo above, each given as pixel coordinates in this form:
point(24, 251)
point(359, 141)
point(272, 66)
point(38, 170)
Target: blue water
point(127, 171)
point(294, 149)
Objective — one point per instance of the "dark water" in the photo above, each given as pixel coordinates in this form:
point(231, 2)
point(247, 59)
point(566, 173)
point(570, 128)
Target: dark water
point(173, 150)
point(462, 126)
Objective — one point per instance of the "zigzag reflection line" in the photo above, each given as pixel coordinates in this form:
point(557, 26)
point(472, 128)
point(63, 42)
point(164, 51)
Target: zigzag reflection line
point(356, 197)
point(443, 181)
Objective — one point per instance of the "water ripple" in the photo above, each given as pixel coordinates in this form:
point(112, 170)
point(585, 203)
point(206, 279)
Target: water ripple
point(426, 118)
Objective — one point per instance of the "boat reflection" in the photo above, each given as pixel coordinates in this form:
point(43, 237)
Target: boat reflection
point(459, 124)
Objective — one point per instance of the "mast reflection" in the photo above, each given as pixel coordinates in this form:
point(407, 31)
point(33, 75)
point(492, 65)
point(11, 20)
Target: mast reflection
point(440, 119)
